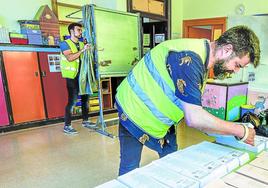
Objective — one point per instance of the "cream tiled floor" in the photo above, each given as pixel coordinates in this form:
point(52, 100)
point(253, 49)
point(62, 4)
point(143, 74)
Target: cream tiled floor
point(45, 157)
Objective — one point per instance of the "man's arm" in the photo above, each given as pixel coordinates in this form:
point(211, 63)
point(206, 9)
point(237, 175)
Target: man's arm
point(73, 56)
point(197, 117)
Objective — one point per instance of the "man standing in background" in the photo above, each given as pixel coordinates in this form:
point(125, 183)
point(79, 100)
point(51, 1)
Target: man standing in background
point(71, 60)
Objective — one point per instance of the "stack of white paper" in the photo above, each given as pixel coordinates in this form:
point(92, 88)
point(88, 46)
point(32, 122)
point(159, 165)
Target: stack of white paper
point(136, 179)
point(112, 184)
point(206, 161)
point(186, 168)
point(168, 177)
point(231, 157)
point(231, 141)
point(239, 180)
point(262, 139)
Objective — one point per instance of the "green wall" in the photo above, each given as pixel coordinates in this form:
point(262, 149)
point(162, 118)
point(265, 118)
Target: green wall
point(193, 9)
point(13, 10)
point(176, 18)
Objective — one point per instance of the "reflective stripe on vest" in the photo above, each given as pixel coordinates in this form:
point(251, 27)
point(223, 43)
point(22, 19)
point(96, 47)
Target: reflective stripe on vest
point(147, 96)
point(135, 86)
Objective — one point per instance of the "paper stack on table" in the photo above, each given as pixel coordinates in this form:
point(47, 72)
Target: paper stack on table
point(185, 168)
point(112, 184)
point(262, 139)
point(137, 179)
point(259, 146)
point(168, 177)
point(231, 158)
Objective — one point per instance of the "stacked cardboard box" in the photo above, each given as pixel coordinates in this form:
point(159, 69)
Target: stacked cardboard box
point(32, 29)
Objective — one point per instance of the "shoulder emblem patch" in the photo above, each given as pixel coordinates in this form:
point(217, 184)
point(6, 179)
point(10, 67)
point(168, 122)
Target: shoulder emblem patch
point(186, 60)
point(181, 84)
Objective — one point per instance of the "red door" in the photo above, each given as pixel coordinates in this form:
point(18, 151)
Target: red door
point(24, 86)
point(54, 85)
point(3, 107)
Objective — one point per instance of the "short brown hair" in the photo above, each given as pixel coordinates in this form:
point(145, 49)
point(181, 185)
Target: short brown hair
point(244, 41)
point(72, 26)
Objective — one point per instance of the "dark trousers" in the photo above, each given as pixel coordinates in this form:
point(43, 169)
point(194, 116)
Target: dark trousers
point(131, 148)
point(73, 89)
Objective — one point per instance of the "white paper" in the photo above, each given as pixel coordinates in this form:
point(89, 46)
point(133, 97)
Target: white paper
point(231, 141)
point(112, 184)
point(169, 177)
point(188, 169)
point(140, 180)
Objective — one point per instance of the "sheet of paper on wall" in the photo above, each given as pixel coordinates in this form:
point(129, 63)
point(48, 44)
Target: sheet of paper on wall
point(137, 179)
point(112, 184)
point(168, 177)
point(259, 145)
point(206, 161)
point(261, 161)
point(255, 172)
point(146, 39)
point(238, 180)
point(219, 183)
point(186, 168)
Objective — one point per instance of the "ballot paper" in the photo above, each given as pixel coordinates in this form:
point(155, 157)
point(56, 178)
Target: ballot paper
point(254, 172)
point(137, 179)
point(225, 154)
point(186, 168)
point(205, 161)
point(262, 139)
point(219, 183)
point(212, 156)
point(261, 161)
point(168, 177)
point(112, 184)
point(259, 144)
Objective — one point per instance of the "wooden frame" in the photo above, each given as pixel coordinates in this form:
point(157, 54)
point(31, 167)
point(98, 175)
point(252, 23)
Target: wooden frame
point(214, 22)
point(55, 4)
point(151, 15)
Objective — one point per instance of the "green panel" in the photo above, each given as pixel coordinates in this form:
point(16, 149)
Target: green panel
point(220, 113)
point(117, 33)
point(234, 103)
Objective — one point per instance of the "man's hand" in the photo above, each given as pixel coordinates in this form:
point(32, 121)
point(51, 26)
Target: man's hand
point(86, 47)
point(251, 136)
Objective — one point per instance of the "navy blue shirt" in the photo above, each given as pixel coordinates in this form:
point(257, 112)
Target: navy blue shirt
point(188, 73)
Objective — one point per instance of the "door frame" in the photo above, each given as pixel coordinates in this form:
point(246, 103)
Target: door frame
point(214, 22)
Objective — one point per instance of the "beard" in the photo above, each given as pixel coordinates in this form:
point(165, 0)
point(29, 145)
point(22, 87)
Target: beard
point(220, 71)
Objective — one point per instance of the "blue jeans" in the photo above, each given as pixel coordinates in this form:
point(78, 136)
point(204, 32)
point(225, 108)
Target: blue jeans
point(130, 149)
